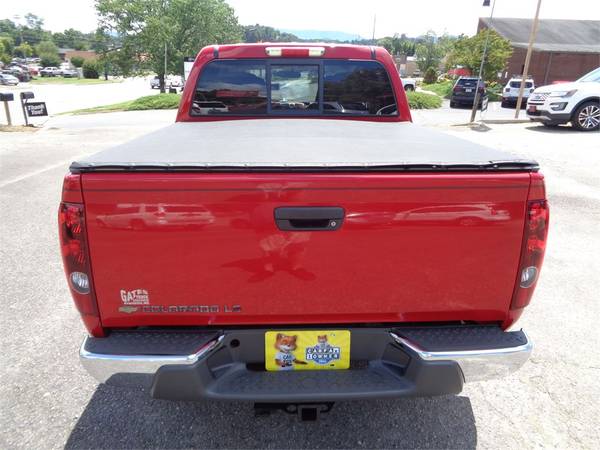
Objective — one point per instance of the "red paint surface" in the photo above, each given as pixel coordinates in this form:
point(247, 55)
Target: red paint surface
point(413, 247)
point(332, 51)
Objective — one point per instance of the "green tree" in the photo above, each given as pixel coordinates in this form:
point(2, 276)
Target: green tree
point(71, 38)
point(468, 51)
point(48, 53)
point(398, 45)
point(430, 76)
point(151, 29)
point(32, 32)
point(261, 33)
point(24, 50)
point(6, 48)
point(34, 22)
point(77, 61)
point(429, 52)
point(91, 69)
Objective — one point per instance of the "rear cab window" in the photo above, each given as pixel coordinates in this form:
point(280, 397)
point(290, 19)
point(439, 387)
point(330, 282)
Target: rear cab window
point(467, 82)
point(517, 84)
point(294, 87)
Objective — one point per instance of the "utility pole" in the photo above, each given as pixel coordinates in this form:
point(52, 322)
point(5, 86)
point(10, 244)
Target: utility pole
point(164, 83)
point(485, 46)
point(374, 23)
point(534, 28)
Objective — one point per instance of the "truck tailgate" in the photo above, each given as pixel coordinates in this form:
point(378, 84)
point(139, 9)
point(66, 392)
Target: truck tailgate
point(204, 248)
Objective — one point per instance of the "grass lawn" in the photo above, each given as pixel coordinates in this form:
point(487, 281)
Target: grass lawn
point(443, 89)
point(422, 100)
point(159, 101)
point(61, 80)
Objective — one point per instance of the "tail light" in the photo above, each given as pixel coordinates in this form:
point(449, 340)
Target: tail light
point(534, 243)
point(456, 89)
point(75, 254)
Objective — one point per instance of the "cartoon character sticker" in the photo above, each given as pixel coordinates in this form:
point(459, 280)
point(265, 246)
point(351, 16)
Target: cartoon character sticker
point(285, 346)
point(307, 350)
point(323, 352)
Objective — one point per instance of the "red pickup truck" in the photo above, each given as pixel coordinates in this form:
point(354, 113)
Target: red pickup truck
point(294, 239)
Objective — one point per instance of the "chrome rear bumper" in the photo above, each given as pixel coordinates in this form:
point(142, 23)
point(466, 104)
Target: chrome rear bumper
point(110, 368)
point(477, 365)
point(226, 365)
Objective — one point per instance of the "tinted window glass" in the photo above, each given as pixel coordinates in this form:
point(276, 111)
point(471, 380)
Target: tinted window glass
point(294, 86)
point(239, 87)
point(357, 87)
point(517, 84)
point(231, 87)
point(594, 75)
point(467, 82)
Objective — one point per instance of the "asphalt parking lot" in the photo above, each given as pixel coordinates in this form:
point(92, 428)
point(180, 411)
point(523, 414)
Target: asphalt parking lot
point(48, 401)
point(61, 98)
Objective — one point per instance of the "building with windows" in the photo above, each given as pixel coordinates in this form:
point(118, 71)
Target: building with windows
point(564, 50)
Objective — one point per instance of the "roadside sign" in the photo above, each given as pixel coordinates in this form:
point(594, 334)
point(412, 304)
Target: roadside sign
point(484, 104)
point(188, 63)
point(36, 109)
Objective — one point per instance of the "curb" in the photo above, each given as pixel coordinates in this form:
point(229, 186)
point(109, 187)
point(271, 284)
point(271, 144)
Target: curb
point(491, 121)
point(506, 121)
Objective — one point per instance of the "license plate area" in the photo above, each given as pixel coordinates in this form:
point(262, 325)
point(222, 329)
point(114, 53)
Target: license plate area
point(307, 350)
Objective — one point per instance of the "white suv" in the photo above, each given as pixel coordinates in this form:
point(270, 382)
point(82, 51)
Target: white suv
point(510, 93)
point(577, 102)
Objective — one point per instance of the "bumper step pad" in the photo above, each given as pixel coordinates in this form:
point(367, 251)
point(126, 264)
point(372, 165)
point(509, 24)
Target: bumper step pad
point(229, 364)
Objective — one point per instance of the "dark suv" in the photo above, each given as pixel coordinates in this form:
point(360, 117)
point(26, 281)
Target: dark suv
point(463, 92)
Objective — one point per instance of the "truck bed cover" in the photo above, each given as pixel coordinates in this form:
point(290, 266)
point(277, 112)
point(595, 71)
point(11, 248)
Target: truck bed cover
point(299, 145)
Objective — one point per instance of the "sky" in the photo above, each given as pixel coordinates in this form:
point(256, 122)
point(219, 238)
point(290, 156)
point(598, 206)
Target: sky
point(413, 17)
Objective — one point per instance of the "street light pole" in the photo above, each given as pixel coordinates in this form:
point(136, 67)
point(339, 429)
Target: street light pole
point(534, 28)
point(374, 23)
point(485, 46)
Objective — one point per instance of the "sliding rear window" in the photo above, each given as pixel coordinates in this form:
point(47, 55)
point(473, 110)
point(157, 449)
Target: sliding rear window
point(294, 87)
point(231, 87)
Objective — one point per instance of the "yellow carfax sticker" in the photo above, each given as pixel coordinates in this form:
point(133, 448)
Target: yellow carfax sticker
point(307, 350)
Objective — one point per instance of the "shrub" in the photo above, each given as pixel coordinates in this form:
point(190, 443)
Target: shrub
point(430, 76)
point(49, 60)
point(77, 61)
point(160, 101)
point(420, 100)
point(494, 91)
point(91, 69)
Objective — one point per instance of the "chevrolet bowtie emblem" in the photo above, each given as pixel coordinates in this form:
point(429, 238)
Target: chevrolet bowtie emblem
point(128, 309)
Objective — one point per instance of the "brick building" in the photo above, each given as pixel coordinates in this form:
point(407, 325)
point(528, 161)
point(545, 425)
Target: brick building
point(563, 50)
point(67, 53)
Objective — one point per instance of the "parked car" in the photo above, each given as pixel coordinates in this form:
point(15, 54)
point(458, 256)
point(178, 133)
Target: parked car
point(22, 74)
point(510, 93)
point(577, 102)
point(70, 73)
point(410, 84)
point(464, 90)
point(174, 81)
point(248, 226)
point(155, 82)
point(34, 70)
point(8, 80)
point(50, 72)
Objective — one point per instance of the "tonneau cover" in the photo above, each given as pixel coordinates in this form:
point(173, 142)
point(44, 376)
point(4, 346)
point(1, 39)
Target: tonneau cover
point(298, 145)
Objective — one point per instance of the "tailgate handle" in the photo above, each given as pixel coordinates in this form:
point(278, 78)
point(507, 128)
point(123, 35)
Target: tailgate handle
point(309, 218)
